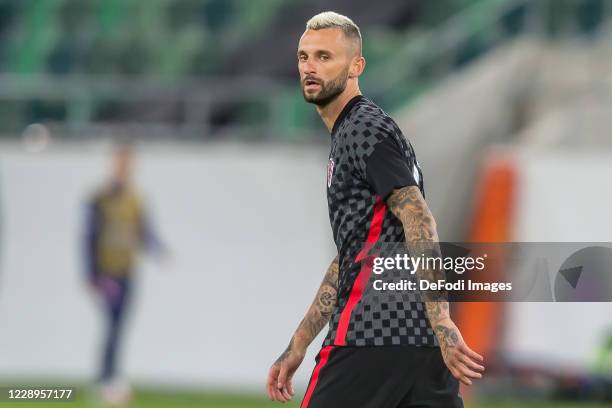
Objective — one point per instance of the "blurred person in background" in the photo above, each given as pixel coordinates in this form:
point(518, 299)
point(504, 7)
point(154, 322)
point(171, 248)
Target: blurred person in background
point(117, 227)
point(388, 352)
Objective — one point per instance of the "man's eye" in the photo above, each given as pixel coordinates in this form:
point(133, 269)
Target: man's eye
point(324, 57)
point(302, 58)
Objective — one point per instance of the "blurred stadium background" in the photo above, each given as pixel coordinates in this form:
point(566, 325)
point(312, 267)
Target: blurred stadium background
point(507, 102)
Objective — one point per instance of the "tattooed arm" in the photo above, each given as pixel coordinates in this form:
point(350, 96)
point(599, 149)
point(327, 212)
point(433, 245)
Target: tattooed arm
point(279, 383)
point(409, 206)
point(320, 310)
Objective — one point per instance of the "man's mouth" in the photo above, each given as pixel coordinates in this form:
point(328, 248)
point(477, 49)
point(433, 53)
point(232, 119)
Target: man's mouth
point(311, 84)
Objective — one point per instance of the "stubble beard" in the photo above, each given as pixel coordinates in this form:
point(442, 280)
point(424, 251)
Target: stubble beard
point(329, 90)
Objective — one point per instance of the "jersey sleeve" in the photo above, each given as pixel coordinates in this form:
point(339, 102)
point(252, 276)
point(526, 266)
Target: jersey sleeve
point(387, 168)
point(377, 156)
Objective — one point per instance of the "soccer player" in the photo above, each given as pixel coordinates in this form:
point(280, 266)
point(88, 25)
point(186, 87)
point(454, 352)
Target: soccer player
point(380, 351)
point(116, 229)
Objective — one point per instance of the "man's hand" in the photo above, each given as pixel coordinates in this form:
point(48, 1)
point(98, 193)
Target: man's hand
point(107, 288)
point(463, 363)
point(281, 373)
point(280, 386)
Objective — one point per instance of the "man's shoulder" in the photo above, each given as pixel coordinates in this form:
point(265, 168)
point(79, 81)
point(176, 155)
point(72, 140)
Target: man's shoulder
point(366, 117)
point(97, 195)
point(366, 125)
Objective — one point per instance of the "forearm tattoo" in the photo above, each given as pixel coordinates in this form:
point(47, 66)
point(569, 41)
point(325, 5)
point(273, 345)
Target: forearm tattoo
point(409, 206)
point(285, 354)
point(322, 307)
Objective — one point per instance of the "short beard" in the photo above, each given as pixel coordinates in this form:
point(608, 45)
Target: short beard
point(329, 91)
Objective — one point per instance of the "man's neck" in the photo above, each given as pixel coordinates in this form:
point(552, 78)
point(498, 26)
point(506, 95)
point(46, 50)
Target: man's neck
point(330, 112)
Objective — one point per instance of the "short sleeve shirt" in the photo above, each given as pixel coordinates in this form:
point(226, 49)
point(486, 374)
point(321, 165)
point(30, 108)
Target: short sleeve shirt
point(369, 158)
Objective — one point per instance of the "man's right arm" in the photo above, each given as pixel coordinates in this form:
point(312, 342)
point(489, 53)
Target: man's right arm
point(90, 244)
point(279, 383)
point(320, 310)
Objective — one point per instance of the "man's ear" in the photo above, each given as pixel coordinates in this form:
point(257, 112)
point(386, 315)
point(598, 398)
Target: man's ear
point(357, 67)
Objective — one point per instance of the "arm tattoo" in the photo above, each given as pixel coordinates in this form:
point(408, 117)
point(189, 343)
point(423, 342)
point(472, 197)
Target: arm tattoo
point(409, 206)
point(320, 311)
point(285, 353)
point(436, 310)
point(447, 337)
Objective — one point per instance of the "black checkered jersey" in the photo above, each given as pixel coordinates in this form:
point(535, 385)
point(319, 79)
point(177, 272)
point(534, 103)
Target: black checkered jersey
point(369, 158)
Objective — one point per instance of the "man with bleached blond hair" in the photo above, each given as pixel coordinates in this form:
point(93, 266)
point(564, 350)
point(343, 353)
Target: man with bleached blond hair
point(382, 350)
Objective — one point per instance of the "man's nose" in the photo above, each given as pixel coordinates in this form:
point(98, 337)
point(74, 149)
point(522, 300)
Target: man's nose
point(309, 68)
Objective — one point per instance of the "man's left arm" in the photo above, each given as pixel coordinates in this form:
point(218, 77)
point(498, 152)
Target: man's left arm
point(149, 236)
point(409, 206)
point(90, 242)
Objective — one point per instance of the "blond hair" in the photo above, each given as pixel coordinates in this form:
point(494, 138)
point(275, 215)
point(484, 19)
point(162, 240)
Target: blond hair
point(331, 19)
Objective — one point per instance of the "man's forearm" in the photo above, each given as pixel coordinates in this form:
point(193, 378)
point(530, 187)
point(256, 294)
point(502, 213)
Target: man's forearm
point(320, 310)
point(318, 315)
point(408, 205)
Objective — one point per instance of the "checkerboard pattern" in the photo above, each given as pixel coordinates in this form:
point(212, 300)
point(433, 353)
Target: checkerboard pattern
point(380, 318)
